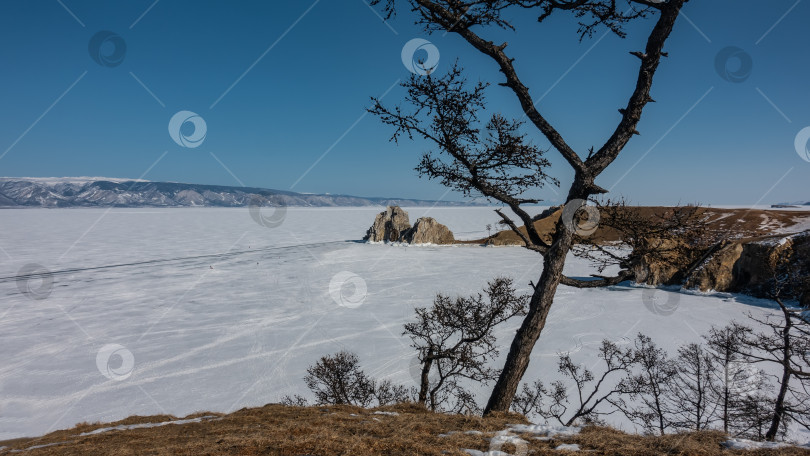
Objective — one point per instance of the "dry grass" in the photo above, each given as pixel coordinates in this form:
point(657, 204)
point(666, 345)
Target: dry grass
point(343, 430)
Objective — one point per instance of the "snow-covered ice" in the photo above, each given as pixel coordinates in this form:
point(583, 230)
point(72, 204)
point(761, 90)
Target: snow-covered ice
point(175, 311)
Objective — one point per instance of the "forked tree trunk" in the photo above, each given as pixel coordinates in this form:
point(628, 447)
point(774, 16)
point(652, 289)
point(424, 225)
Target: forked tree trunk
point(522, 345)
point(583, 186)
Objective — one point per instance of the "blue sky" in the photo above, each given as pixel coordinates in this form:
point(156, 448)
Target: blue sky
point(283, 85)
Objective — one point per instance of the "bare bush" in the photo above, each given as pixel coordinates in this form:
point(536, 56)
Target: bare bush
point(593, 397)
point(388, 393)
point(294, 401)
point(337, 379)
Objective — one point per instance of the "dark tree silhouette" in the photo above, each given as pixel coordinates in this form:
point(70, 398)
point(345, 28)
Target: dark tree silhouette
point(455, 340)
point(651, 387)
point(338, 380)
point(496, 160)
point(784, 343)
point(723, 346)
point(692, 388)
point(594, 396)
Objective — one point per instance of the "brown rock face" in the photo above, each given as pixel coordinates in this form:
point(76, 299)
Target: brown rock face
point(427, 230)
point(669, 267)
point(389, 225)
point(717, 273)
point(747, 266)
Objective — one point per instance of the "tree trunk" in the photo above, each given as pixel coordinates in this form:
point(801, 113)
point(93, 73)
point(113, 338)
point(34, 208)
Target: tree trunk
point(424, 383)
point(726, 395)
point(779, 409)
point(521, 349)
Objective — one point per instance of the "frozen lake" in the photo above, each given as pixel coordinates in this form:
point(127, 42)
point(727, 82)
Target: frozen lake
point(182, 310)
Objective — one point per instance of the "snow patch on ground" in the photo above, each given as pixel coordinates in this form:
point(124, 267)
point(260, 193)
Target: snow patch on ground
point(508, 436)
point(545, 430)
point(743, 444)
point(36, 447)
point(127, 427)
point(485, 453)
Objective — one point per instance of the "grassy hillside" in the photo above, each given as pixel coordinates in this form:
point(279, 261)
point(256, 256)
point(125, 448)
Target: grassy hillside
point(344, 430)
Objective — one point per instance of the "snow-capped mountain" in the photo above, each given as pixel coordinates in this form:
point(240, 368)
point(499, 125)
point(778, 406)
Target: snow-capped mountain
point(115, 192)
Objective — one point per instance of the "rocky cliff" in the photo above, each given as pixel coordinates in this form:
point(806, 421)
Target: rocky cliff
point(427, 230)
point(389, 225)
point(749, 266)
point(392, 225)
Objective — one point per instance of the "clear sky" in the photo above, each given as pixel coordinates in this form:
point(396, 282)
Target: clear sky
point(283, 86)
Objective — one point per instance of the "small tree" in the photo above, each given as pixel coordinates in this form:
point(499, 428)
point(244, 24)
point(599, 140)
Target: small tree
point(723, 346)
point(650, 387)
point(692, 388)
point(455, 340)
point(752, 415)
point(593, 396)
point(496, 160)
point(785, 344)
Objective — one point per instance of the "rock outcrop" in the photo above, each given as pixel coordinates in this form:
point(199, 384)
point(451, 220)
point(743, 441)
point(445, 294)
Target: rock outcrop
point(392, 225)
point(427, 230)
point(389, 225)
point(667, 267)
point(748, 266)
point(738, 266)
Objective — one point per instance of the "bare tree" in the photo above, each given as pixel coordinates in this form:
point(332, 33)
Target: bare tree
point(723, 345)
point(784, 343)
point(650, 387)
point(498, 161)
point(752, 416)
point(455, 340)
point(594, 397)
point(658, 245)
point(692, 388)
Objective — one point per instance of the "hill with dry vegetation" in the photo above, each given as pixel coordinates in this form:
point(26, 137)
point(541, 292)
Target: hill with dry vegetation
point(404, 429)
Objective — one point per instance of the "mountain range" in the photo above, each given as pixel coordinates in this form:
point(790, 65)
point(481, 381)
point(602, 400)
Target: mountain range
point(18, 192)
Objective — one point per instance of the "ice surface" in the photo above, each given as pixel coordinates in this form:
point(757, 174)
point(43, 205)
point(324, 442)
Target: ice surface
point(216, 312)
